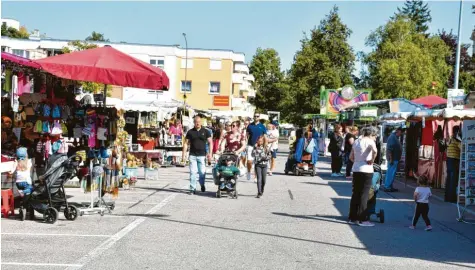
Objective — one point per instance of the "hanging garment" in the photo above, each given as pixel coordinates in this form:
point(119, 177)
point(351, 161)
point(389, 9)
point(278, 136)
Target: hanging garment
point(46, 110)
point(7, 86)
point(48, 149)
point(77, 132)
point(23, 86)
point(102, 134)
point(66, 111)
point(17, 132)
point(56, 130)
point(38, 126)
point(92, 138)
point(64, 129)
point(56, 111)
point(46, 127)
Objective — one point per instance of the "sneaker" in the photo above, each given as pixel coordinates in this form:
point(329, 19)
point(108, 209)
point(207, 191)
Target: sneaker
point(192, 192)
point(248, 176)
point(229, 186)
point(221, 186)
point(349, 177)
point(258, 195)
point(412, 227)
point(334, 175)
point(270, 173)
point(428, 228)
point(353, 222)
point(340, 175)
point(366, 224)
point(203, 188)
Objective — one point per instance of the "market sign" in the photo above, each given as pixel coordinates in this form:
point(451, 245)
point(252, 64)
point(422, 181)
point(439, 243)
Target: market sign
point(222, 101)
point(455, 99)
point(368, 112)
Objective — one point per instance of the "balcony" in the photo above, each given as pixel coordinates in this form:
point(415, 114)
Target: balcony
point(238, 78)
point(238, 103)
point(241, 68)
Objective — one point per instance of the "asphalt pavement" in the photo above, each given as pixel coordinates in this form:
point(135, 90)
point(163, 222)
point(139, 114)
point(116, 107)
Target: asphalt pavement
point(299, 223)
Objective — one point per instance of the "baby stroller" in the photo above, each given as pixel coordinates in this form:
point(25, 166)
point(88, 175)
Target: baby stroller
point(227, 184)
point(373, 194)
point(48, 196)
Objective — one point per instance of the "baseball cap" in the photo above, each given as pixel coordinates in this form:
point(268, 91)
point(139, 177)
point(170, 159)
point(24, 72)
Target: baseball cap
point(21, 153)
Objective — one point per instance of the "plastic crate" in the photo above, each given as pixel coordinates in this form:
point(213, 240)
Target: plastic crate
point(129, 172)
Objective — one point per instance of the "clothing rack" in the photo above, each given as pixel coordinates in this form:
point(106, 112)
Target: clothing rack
point(97, 205)
point(466, 181)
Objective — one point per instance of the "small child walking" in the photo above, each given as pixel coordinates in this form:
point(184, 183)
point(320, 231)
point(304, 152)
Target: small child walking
point(421, 196)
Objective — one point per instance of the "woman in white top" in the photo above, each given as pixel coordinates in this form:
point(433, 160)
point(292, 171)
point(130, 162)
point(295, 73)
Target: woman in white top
point(362, 155)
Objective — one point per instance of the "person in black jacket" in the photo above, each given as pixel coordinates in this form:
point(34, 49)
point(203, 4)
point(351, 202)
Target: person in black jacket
point(336, 149)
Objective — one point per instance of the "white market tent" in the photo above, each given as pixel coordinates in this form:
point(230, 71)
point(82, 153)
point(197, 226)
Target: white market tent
point(430, 114)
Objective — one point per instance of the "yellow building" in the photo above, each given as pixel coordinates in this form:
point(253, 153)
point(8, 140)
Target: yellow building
point(213, 80)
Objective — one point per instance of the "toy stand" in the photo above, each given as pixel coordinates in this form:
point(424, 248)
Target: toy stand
point(97, 205)
point(466, 181)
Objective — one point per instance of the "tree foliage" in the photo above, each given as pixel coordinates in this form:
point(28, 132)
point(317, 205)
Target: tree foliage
point(418, 12)
point(466, 65)
point(96, 36)
point(91, 87)
point(324, 59)
point(265, 67)
point(11, 32)
point(404, 62)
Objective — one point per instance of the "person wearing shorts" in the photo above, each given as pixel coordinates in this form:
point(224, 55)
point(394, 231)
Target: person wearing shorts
point(254, 131)
point(273, 139)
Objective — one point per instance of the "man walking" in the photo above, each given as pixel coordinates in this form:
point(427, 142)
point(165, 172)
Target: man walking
point(197, 137)
point(254, 131)
point(393, 155)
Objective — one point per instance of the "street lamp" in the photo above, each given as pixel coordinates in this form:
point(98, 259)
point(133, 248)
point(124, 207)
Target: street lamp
point(186, 67)
point(459, 41)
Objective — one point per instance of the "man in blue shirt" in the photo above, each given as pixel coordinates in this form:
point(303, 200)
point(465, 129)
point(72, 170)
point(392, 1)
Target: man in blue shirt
point(255, 130)
point(393, 156)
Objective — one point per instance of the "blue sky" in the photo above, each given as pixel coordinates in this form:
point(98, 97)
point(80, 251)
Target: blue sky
point(239, 26)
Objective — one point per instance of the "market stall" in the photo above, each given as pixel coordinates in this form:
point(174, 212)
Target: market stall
point(48, 111)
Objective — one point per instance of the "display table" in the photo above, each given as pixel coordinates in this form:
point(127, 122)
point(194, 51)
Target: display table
point(148, 154)
point(7, 167)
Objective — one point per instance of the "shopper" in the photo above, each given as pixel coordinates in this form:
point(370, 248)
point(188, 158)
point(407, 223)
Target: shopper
point(261, 155)
point(273, 133)
point(233, 142)
point(23, 172)
point(362, 155)
point(254, 131)
point(197, 137)
point(421, 196)
point(349, 140)
point(393, 156)
point(336, 149)
point(453, 164)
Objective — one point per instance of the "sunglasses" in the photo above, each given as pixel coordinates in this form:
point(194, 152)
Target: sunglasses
point(256, 116)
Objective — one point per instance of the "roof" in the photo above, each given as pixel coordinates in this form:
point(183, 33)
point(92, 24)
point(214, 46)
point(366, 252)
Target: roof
point(378, 103)
point(430, 101)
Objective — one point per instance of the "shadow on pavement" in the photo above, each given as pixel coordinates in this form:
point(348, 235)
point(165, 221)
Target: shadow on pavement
point(394, 238)
point(251, 232)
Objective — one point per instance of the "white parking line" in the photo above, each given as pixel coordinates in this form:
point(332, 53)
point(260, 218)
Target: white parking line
point(41, 264)
point(58, 234)
point(119, 235)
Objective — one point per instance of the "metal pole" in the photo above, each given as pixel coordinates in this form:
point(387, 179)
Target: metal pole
point(459, 43)
point(186, 82)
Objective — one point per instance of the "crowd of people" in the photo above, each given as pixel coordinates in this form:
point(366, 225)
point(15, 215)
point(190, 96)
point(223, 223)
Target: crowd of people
point(254, 146)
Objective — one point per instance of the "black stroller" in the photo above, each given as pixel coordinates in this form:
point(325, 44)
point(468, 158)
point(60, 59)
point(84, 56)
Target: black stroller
point(227, 184)
point(373, 193)
point(48, 195)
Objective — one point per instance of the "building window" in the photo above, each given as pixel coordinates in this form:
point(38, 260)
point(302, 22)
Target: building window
point(185, 86)
point(184, 63)
point(158, 62)
point(22, 53)
point(214, 88)
point(215, 64)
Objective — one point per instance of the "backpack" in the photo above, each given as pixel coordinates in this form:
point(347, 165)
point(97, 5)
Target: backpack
point(310, 146)
point(56, 111)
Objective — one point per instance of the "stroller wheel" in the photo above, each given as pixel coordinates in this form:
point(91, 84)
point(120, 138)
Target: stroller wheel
point(31, 213)
point(218, 193)
point(235, 194)
point(71, 212)
point(50, 215)
point(381, 215)
point(22, 214)
point(112, 206)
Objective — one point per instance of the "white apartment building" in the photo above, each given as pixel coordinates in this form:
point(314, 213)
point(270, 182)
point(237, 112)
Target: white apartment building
point(235, 81)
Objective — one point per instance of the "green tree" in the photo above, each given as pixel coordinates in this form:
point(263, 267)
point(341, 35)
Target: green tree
point(324, 59)
point(418, 12)
point(11, 32)
point(404, 62)
point(92, 87)
point(96, 36)
point(265, 67)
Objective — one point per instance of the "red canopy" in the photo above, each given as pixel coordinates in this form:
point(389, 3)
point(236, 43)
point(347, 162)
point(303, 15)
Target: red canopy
point(430, 101)
point(19, 60)
point(108, 66)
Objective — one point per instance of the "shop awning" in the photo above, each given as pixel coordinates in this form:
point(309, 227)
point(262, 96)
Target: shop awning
point(430, 101)
point(19, 60)
point(108, 66)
